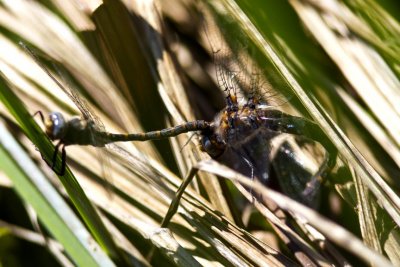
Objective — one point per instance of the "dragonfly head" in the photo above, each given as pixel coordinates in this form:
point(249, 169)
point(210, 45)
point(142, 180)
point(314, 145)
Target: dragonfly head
point(55, 125)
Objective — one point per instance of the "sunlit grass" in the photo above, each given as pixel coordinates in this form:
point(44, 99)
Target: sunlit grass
point(338, 65)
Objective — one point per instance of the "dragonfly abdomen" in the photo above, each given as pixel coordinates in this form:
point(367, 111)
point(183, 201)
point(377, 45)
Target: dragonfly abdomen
point(198, 125)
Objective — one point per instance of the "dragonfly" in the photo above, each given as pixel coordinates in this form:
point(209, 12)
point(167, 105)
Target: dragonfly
point(239, 136)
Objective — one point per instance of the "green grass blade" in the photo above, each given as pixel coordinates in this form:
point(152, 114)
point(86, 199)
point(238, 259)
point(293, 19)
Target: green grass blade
point(82, 203)
point(51, 208)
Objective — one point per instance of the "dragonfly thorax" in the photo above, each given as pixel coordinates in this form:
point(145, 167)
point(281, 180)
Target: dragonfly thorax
point(239, 139)
point(230, 126)
point(55, 125)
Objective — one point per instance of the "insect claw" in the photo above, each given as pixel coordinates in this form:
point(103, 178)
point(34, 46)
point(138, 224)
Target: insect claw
point(40, 114)
point(52, 166)
point(63, 161)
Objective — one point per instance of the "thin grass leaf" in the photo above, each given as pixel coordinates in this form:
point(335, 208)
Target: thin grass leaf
point(335, 232)
point(72, 234)
point(70, 183)
point(135, 66)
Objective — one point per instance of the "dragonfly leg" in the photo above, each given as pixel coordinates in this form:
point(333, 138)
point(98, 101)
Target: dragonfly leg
point(173, 207)
point(61, 172)
point(45, 160)
point(251, 167)
point(52, 163)
point(63, 159)
point(40, 114)
point(54, 159)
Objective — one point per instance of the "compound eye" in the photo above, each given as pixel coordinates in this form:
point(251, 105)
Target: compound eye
point(211, 147)
point(55, 125)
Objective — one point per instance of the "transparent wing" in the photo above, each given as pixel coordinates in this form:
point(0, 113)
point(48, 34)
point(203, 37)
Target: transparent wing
point(95, 126)
point(94, 122)
point(65, 84)
point(228, 73)
point(68, 87)
point(253, 152)
point(237, 72)
point(299, 164)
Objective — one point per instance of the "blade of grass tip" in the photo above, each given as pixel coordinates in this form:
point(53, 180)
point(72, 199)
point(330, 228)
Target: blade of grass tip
point(56, 215)
point(77, 195)
point(163, 239)
point(366, 212)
